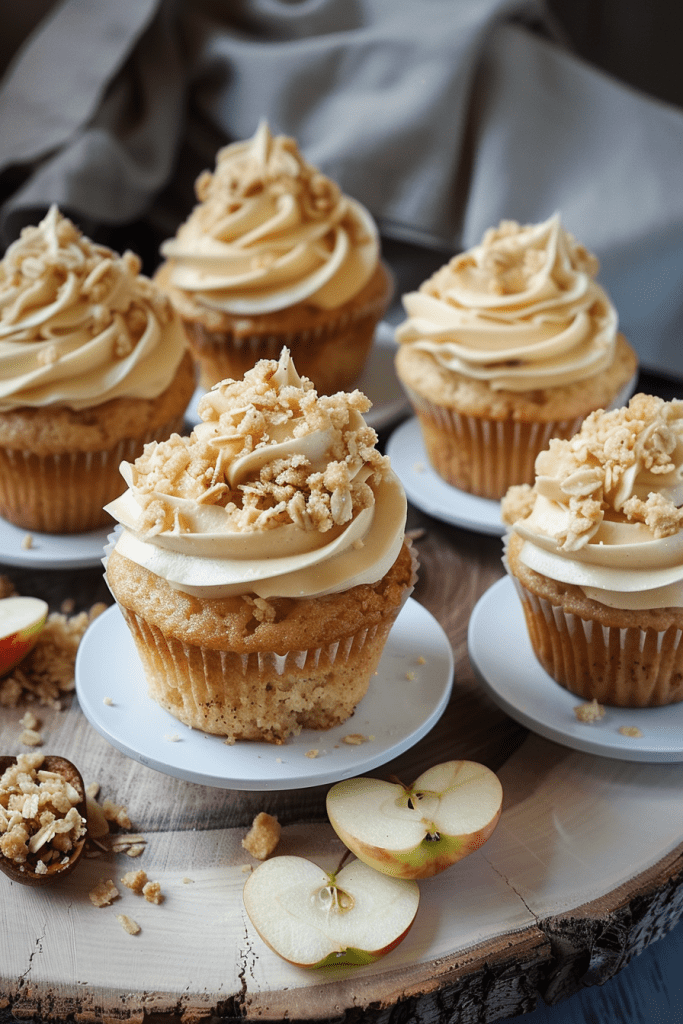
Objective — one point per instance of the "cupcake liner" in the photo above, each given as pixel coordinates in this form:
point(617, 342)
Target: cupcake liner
point(65, 493)
point(332, 353)
point(262, 695)
point(623, 667)
point(480, 455)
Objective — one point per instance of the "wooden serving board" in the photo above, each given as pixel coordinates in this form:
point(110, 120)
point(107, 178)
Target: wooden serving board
point(584, 870)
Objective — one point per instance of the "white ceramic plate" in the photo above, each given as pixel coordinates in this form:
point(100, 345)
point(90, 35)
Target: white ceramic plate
point(378, 381)
point(503, 659)
point(430, 493)
point(396, 712)
point(51, 550)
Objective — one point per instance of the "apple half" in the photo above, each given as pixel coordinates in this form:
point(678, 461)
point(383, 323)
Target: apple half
point(417, 831)
point(315, 918)
point(21, 620)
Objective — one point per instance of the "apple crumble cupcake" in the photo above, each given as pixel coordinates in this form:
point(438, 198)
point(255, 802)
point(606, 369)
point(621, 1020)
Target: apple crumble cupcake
point(508, 345)
point(93, 365)
point(275, 255)
point(595, 549)
point(261, 562)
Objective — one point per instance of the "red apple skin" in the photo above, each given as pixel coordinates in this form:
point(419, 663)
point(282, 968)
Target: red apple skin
point(13, 649)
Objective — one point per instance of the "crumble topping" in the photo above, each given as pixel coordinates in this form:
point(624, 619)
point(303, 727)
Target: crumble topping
point(590, 469)
point(39, 820)
point(286, 490)
point(275, 167)
point(510, 259)
point(95, 290)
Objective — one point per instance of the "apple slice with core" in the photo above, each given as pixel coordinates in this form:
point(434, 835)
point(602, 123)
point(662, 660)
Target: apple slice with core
point(316, 918)
point(21, 620)
point(417, 831)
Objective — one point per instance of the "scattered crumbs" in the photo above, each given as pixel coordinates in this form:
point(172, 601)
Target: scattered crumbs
point(278, 760)
point(29, 721)
point(31, 738)
point(371, 737)
point(128, 924)
point(27, 541)
point(108, 701)
point(418, 467)
point(312, 753)
point(172, 737)
point(589, 712)
point(410, 675)
point(358, 544)
point(67, 606)
point(229, 741)
point(421, 660)
point(116, 812)
point(46, 674)
point(188, 881)
point(263, 836)
point(354, 739)
point(152, 893)
point(92, 789)
point(104, 893)
point(134, 880)
point(135, 850)
point(246, 869)
point(630, 730)
point(91, 854)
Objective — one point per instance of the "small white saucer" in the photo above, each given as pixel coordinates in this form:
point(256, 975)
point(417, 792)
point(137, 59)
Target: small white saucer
point(504, 661)
point(378, 381)
point(430, 493)
point(405, 699)
point(51, 550)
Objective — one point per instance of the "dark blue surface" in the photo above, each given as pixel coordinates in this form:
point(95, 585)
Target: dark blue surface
point(649, 990)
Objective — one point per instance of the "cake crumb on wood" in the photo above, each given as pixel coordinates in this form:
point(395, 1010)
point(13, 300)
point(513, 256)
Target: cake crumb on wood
point(263, 836)
point(104, 893)
point(128, 924)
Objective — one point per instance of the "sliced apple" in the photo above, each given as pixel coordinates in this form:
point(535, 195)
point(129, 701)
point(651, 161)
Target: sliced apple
point(417, 831)
point(21, 620)
point(314, 918)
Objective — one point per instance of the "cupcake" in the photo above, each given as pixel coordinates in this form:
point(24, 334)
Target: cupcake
point(508, 345)
point(595, 549)
point(93, 365)
point(261, 562)
point(275, 255)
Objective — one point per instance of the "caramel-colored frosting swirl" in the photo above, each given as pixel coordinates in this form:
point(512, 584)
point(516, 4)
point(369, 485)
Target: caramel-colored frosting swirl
point(277, 493)
point(270, 231)
point(79, 324)
point(520, 311)
point(604, 512)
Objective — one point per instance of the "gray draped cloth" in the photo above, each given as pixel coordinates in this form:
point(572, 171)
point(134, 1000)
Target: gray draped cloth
point(442, 116)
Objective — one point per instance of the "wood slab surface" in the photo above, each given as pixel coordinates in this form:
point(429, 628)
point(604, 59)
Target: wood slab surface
point(584, 871)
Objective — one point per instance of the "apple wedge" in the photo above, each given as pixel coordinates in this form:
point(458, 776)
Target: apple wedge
point(21, 620)
point(417, 831)
point(314, 918)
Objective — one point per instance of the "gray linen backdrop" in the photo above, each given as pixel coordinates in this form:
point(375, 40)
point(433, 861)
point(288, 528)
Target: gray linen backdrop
point(442, 116)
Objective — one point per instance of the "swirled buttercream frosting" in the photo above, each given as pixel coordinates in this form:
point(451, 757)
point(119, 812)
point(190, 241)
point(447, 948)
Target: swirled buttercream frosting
point(79, 324)
point(520, 311)
point(270, 231)
point(605, 510)
point(278, 492)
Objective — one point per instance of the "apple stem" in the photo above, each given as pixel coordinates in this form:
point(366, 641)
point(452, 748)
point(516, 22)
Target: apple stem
point(340, 865)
